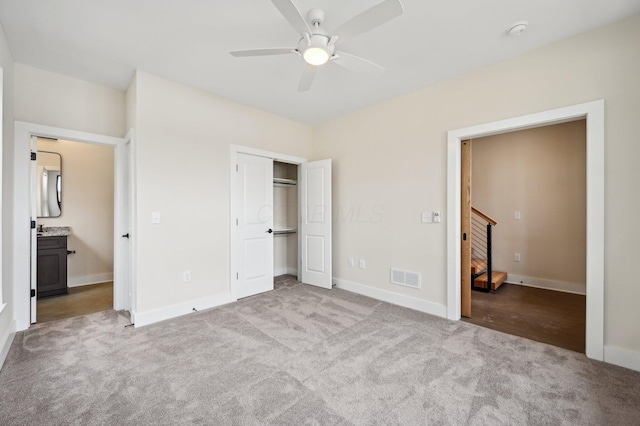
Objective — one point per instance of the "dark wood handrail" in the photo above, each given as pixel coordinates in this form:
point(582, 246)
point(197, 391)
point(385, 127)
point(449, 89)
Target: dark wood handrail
point(484, 216)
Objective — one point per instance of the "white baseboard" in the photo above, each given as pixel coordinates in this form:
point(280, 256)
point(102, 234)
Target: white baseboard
point(285, 271)
point(6, 340)
point(89, 279)
point(141, 319)
point(394, 298)
point(622, 357)
point(566, 287)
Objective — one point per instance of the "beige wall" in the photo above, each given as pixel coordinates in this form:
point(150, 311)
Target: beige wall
point(87, 207)
point(55, 100)
point(540, 173)
point(182, 161)
point(393, 156)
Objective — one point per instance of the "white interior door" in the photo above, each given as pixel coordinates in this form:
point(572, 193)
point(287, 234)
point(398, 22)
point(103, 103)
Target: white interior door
point(33, 213)
point(315, 223)
point(254, 219)
point(122, 234)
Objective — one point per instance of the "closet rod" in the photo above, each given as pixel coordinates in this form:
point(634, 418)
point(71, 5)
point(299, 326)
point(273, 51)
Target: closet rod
point(285, 231)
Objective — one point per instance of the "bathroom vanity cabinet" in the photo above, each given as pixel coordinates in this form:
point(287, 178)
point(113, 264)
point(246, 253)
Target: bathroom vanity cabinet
point(52, 266)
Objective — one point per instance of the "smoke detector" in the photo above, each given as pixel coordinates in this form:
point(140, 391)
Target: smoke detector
point(518, 28)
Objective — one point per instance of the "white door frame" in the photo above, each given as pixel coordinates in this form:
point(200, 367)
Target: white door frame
point(21, 242)
point(593, 112)
point(234, 249)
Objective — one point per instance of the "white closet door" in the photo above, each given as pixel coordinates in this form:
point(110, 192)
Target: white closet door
point(315, 223)
point(255, 224)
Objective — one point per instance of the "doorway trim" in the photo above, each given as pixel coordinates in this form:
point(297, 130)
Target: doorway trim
point(593, 113)
point(21, 198)
point(234, 249)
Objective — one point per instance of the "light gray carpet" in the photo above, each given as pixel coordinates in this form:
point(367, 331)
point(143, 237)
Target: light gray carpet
point(301, 355)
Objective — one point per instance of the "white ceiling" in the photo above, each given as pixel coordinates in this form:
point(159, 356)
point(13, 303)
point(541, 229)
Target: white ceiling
point(188, 41)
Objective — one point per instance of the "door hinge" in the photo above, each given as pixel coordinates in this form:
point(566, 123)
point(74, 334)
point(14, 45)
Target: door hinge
point(237, 276)
point(236, 221)
point(33, 224)
point(33, 292)
point(236, 167)
point(33, 156)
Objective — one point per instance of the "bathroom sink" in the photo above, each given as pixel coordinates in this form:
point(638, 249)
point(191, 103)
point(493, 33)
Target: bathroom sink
point(54, 231)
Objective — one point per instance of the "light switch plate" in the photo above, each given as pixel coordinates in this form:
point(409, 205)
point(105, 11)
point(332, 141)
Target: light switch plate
point(516, 215)
point(427, 217)
point(155, 217)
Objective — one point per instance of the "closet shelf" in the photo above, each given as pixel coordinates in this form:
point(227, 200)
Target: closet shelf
point(284, 182)
point(285, 231)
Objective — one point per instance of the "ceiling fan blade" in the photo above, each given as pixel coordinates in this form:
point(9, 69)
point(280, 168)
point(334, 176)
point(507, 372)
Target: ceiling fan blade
point(370, 18)
point(292, 14)
point(358, 64)
point(264, 52)
point(306, 79)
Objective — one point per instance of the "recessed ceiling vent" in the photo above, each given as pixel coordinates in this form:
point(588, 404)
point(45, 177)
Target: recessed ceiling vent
point(405, 278)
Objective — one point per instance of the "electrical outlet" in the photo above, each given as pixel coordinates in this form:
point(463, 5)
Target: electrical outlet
point(351, 262)
point(516, 257)
point(436, 217)
point(187, 276)
point(363, 264)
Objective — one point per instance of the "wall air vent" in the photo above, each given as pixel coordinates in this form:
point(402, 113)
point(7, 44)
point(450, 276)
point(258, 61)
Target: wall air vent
point(405, 278)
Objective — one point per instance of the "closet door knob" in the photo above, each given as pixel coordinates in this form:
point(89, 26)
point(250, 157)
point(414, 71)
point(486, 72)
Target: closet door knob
point(270, 230)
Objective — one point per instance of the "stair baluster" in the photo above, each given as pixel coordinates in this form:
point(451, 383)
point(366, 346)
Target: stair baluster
point(481, 248)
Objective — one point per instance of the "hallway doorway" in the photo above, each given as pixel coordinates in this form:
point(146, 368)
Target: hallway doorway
point(593, 112)
point(533, 182)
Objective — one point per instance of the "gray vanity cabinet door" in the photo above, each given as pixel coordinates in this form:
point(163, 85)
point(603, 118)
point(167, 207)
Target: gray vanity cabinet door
point(52, 266)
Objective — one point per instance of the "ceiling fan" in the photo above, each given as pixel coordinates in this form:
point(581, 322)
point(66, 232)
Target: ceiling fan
point(317, 47)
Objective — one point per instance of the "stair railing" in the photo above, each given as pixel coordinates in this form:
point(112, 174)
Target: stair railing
point(481, 225)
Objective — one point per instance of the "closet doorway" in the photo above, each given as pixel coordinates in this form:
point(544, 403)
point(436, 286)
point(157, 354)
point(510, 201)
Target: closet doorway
point(280, 220)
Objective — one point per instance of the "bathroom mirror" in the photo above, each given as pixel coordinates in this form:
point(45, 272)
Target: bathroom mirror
point(49, 197)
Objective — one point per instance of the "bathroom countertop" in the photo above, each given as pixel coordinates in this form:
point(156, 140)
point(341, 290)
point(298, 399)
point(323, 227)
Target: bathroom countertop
point(55, 231)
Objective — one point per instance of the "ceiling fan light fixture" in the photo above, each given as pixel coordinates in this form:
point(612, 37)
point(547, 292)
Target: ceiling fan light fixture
point(317, 46)
point(315, 49)
point(316, 56)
